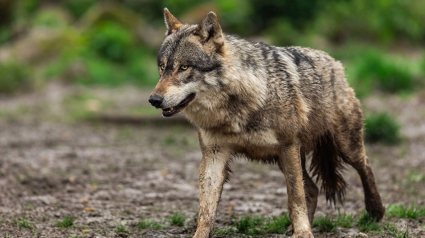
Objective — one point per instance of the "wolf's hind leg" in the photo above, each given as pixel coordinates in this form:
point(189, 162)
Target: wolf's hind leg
point(351, 144)
point(310, 189)
point(372, 198)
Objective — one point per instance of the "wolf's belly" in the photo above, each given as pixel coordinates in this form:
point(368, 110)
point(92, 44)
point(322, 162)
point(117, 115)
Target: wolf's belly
point(259, 145)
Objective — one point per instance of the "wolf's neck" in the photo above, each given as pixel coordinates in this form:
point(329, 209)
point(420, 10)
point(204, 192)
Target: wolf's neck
point(244, 90)
point(246, 73)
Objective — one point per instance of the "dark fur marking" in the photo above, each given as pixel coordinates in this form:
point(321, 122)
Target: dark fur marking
point(255, 123)
point(280, 66)
point(332, 77)
point(276, 57)
point(249, 62)
point(299, 57)
point(264, 52)
point(204, 67)
point(265, 49)
point(289, 89)
point(234, 103)
point(189, 78)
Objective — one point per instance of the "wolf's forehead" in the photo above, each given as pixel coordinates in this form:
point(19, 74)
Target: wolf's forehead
point(176, 40)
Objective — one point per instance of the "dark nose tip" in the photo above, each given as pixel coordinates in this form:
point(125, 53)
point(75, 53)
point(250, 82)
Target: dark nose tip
point(156, 100)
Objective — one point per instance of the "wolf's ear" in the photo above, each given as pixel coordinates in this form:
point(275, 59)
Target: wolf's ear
point(209, 30)
point(171, 22)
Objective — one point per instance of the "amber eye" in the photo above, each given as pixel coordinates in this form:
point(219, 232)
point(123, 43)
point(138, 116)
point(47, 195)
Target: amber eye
point(162, 67)
point(183, 68)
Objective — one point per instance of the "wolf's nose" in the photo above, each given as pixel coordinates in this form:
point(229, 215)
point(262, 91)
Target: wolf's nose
point(156, 100)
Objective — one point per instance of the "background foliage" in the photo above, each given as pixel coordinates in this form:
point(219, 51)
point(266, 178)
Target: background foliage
point(124, 35)
point(112, 43)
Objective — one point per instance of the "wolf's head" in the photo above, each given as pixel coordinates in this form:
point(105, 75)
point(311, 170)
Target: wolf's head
point(189, 61)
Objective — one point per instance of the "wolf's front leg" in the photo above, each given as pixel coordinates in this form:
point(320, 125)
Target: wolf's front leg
point(290, 163)
point(213, 172)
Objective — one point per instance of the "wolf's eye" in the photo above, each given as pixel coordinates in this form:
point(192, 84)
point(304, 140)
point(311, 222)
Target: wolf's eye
point(183, 68)
point(162, 67)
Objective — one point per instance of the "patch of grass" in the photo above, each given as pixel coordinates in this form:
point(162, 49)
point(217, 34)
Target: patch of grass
point(250, 225)
point(382, 128)
point(403, 211)
point(277, 225)
point(178, 219)
point(367, 223)
point(225, 231)
point(66, 222)
point(122, 230)
point(325, 224)
point(345, 220)
point(25, 223)
point(259, 225)
point(395, 232)
point(144, 224)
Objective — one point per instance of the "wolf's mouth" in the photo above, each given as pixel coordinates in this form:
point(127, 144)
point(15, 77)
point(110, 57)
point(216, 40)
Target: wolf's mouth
point(168, 112)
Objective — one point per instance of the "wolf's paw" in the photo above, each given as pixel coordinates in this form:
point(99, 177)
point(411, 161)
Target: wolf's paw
point(303, 234)
point(202, 234)
point(377, 211)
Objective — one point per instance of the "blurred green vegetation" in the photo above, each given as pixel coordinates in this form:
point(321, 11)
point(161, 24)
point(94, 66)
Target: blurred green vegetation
point(14, 77)
point(381, 127)
point(111, 43)
point(379, 71)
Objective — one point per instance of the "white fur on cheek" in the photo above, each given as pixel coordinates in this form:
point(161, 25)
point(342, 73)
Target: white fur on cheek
point(176, 94)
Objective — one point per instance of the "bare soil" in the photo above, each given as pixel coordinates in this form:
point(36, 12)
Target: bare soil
point(106, 174)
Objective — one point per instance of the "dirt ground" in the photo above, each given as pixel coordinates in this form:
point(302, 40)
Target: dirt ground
point(106, 174)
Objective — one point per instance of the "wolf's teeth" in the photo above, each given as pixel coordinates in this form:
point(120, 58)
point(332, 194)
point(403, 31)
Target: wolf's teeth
point(171, 109)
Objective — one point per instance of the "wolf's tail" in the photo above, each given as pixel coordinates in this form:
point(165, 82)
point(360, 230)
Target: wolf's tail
point(327, 166)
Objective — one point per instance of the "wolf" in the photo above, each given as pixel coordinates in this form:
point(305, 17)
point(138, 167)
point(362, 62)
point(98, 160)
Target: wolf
point(272, 104)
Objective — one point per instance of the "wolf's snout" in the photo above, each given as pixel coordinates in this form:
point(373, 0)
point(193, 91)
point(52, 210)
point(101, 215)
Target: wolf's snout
point(156, 100)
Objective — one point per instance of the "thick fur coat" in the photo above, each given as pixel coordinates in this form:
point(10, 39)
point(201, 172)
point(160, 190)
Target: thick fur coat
point(264, 103)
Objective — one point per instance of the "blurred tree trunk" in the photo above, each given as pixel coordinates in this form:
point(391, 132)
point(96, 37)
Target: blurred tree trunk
point(6, 11)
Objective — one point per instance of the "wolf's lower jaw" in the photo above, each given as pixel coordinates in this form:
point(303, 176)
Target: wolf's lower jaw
point(168, 112)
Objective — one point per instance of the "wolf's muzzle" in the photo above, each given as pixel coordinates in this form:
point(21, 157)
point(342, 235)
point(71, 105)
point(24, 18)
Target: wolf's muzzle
point(156, 100)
